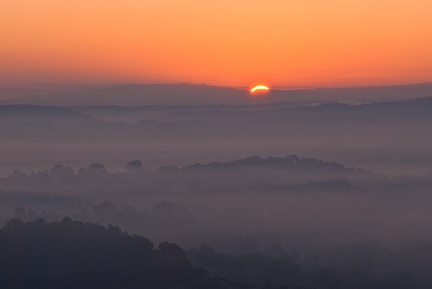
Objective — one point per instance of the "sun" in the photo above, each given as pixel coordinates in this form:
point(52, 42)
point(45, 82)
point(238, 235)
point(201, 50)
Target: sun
point(260, 88)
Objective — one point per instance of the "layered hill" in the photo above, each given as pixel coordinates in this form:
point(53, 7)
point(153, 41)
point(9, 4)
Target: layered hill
point(40, 114)
point(199, 94)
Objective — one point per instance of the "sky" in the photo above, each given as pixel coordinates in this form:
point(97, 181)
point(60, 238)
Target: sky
point(237, 43)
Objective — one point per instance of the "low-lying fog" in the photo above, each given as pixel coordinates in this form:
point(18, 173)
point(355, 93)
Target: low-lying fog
point(338, 183)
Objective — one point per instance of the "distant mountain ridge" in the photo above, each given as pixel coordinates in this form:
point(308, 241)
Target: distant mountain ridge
point(37, 113)
point(140, 94)
point(200, 94)
point(406, 110)
point(367, 94)
point(414, 110)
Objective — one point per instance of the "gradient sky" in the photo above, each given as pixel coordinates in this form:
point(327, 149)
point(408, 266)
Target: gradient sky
point(283, 43)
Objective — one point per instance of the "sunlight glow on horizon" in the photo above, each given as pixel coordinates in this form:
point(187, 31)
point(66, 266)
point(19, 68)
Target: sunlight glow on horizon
point(302, 44)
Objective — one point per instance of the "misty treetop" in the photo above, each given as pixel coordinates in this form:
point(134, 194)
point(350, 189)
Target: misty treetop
point(284, 174)
point(135, 165)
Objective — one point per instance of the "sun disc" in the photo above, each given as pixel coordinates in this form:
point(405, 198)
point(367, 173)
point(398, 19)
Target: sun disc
point(259, 88)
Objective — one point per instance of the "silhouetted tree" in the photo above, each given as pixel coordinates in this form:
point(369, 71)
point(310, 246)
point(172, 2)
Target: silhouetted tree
point(93, 171)
point(61, 173)
point(97, 169)
point(134, 166)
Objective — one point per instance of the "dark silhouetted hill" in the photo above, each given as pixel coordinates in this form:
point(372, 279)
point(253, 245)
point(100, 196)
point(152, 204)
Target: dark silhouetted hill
point(72, 254)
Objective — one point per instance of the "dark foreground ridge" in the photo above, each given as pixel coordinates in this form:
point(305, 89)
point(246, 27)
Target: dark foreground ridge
point(72, 254)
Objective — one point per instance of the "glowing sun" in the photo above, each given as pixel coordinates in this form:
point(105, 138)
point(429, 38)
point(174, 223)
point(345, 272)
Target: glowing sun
point(259, 88)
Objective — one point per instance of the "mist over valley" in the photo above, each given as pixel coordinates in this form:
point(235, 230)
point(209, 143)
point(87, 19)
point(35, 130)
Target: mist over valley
point(297, 194)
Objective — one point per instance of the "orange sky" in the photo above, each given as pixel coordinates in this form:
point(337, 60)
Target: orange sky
point(222, 42)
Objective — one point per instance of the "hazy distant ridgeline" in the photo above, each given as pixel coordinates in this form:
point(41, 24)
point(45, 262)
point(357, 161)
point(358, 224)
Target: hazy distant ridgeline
point(277, 114)
point(40, 114)
point(398, 111)
point(192, 94)
point(140, 94)
point(383, 137)
point(289, 174)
